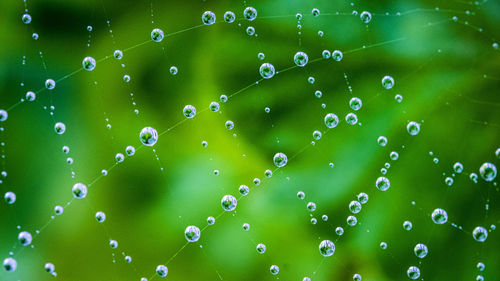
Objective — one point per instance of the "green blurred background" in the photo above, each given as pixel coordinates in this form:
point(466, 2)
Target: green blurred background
point(438, 68)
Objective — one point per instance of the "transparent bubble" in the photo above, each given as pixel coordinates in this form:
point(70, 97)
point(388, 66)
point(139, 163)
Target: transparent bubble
point(50, 84)
point(49, 267)
point(148, 136)
point(326, 54)
point(324, 217)
point(480, 234)
point(448, 181)
point(398, 98)
point(311, 80)
point(214, 106)
point(268, 173)
point(100, 217)
point(30, 96)
point(301, 195)
point(351, 118)
point(250, 13)
point(189, 111)
point(388, 82)
point(300, 59)
point(394, 155)
point(261, 56)
point(228, 203)
point(314, 220)
point(266, 70)
point(118, 54)
point(243, 189)
point(356, 277)
point(383, 183)
point(10, 197)
point(355, 207)
point(89, 63)
point(337, 55)
point(280, 159)
point(363, 198)
point(256, 181)
point(128, 259)
point(497, 153)
point(355, 103)
point(261, 248)
point(229, 17)
point(25, 238)
point(157, 35)
point(10, 264)
point(223, 98)
point(365, 16)
point(79, 190)
point(326, 248)
point(382, 141)
point(420, 250)
point(208, 18)
point(439, 216)
point(192, 233)
point(250, 30)
point(413, 128)
point(488, 171)
point(246, 227)
point(311, 206)
point(113, 244)
point(352, 220)
point(60, 128)
point(473, 177)
point(407, 225)
point(3, 115)
point(162, 270)
point(130, 150)
point(331, 120)
point(119, 157)
point(413, 272)
point(339, 230)
point(210, 220)
point(480, 266)
point(383, 245)
point(315, 12)
point(26, 18)
point(204, 143)
point(126, 78)
point(174, 70)
point(58, 210)
point(317, 135)
point(229, 124)
point(306, 279)
point(274, 269)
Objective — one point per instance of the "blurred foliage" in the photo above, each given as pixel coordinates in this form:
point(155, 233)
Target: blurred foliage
point(438, 66)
